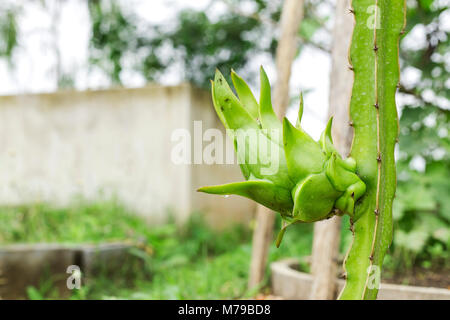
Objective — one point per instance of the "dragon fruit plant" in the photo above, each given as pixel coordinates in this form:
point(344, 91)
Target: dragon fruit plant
point(306, 180)
point(311, 181)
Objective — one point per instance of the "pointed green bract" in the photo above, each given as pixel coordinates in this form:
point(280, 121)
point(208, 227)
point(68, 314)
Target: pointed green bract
point(231, 109)
point(261, 156)
point(283, 230)
point(263, 192)
point(300, 113)
point(303, 155)
point(326, 141)
point(268, 118)
point(286, 170)
point(216, 106)
point(245, 95)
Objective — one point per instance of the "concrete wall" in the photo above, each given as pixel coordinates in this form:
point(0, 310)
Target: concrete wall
point(112, 143)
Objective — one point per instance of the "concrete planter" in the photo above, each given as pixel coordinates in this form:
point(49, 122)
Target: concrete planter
point(289, 283)
point(24, 265)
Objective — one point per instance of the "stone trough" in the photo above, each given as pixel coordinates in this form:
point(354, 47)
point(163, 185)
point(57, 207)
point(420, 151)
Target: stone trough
point(289, 283)
point(24, 265)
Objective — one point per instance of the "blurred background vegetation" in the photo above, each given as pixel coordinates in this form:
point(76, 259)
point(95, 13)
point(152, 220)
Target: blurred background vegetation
point(194, 45)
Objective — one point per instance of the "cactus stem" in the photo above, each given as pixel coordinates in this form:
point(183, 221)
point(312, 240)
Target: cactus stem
point(377, 107)
point(373, 62)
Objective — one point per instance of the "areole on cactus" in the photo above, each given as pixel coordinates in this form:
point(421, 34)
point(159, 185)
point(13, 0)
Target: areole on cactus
point(311, 181)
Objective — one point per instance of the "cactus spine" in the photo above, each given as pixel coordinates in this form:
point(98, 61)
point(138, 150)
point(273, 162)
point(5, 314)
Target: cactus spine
point(374, 60)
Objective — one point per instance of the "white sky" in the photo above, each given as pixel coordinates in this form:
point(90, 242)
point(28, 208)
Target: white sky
point(35, 58)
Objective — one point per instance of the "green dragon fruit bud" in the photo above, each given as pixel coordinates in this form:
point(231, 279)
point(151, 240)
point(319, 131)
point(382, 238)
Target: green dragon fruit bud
point(285, 169)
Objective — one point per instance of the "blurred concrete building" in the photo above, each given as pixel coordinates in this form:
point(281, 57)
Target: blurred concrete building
point(116, 143)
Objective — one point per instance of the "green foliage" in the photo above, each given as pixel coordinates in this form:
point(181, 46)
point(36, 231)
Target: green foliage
point(312, 21)
point(422, 209)
point(206, 45)
point(8, 31)
point(113, 35)
point(192, 44)
point(189, 262)
point(80, 223)
point(286, 170)
point(427, 57)
point(422, 206)
point(197, 43)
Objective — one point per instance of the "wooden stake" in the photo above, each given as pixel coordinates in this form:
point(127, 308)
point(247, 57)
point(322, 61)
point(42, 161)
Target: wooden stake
point(291, 17)
point(327, 233)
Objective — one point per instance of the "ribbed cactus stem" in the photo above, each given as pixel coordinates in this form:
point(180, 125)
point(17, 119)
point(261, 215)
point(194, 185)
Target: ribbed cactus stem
point(374, 61)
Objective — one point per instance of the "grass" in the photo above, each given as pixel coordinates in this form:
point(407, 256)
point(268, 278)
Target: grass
point(80, 223)
point(192, 262)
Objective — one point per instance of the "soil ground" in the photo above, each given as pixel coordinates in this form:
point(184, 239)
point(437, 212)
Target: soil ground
point(422, 277)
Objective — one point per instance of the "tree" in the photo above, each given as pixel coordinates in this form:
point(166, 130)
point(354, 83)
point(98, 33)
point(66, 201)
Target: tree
point(422, 207)
point(197, 44)
point(8, 30)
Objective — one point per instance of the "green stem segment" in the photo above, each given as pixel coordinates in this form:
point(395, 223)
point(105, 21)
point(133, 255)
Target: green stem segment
point(374, 59)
